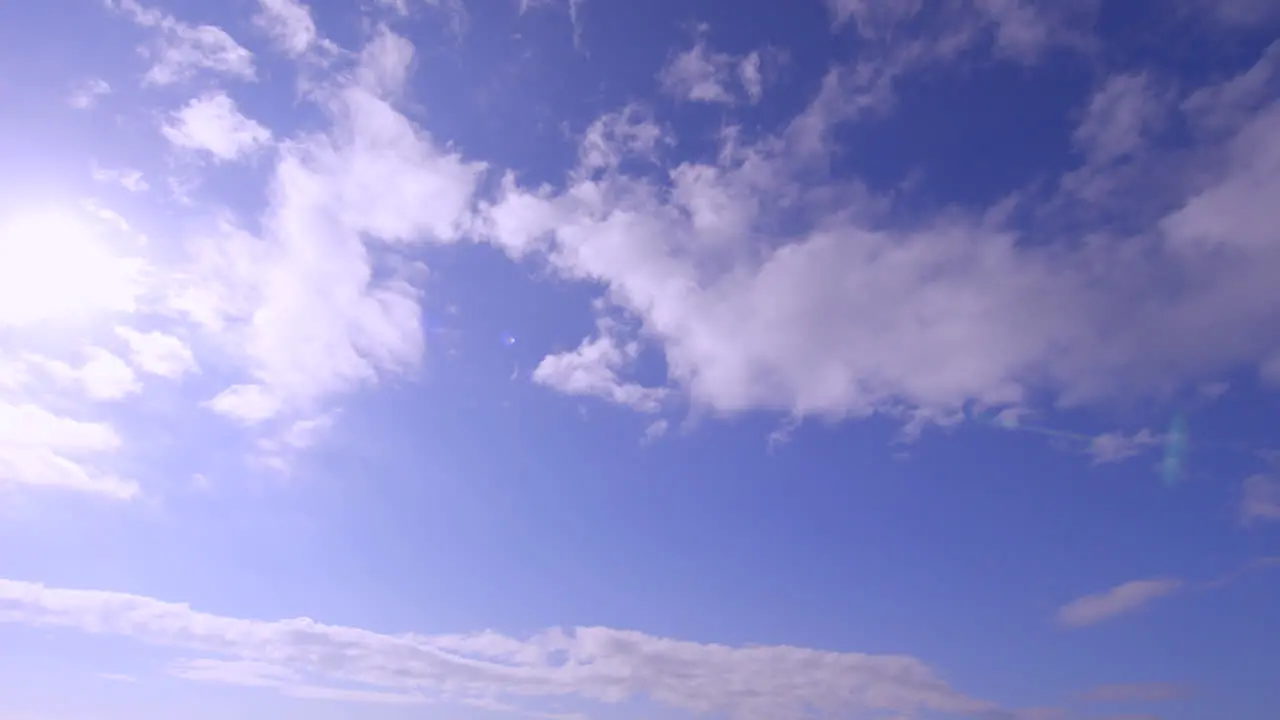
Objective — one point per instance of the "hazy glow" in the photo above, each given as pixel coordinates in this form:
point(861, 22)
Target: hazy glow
point(56, 266)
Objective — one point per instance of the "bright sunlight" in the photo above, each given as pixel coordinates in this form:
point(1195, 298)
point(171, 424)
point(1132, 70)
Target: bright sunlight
point(55, 265)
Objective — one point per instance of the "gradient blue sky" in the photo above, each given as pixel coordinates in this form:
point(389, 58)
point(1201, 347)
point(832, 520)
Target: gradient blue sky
point(460, 359)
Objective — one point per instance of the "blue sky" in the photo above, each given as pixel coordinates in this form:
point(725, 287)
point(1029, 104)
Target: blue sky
point(463, 359)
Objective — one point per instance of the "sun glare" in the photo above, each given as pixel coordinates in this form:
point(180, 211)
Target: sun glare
point(56, 265)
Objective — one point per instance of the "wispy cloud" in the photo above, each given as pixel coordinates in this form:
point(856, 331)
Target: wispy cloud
point(180, 50)
point(1139, 692)
point(289, 23)
point(86, 94)
point(1117, 446)
point(1124, 598)
point(1260, 501)
point(307, 658)
point(127, 178)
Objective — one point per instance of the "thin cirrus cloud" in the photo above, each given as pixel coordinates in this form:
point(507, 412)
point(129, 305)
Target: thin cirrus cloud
point(1120, 600)
point(179, 51)
point(86, 94)
point(306, 658)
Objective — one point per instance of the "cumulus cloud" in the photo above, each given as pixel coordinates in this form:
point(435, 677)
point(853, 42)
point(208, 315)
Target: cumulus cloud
point(212, 123)
point(102, 376)
point(180, 50)
point(301, 305)
point(41, 449)
point(158, 353)
point(592, 369)
point(86, 94)
point(1121, 599)
point(250, 404)
point(308, 658)
point(850, 312)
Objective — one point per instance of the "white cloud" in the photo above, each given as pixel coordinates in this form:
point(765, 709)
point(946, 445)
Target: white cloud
point(180, 50)
point(250, 404)
point(309, 658)
point(127, 178)
point(41, 449)
point(214, 124)
point(303, 434)
point(699, 75)
point(850, 312)
point(302, 305)
point(158, 353)
point(1116, 446)
point(591, 370)
point(656, 430)
point(1119, 118)
point(103, 376)
point(751, 76)
point(86, 94)
point(874, 18)
point(289, 23)
point(1124, 598)
point(1261, 500)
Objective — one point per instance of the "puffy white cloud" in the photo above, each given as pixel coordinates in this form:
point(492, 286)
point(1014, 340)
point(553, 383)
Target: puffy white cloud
point(41, 449)
point(103, 376)
point(1261, 500)
point(214, 124)
point(302, 304)
point(180, 50)
point(1124, 598)
point(158, 353)
point(289, 23)
point(311, 659)
point(591, 370)
point(847, 312)
point(250, 404)
point(86, 94)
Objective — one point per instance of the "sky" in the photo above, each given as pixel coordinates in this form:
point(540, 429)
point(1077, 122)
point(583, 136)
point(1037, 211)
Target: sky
point(484, 359)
